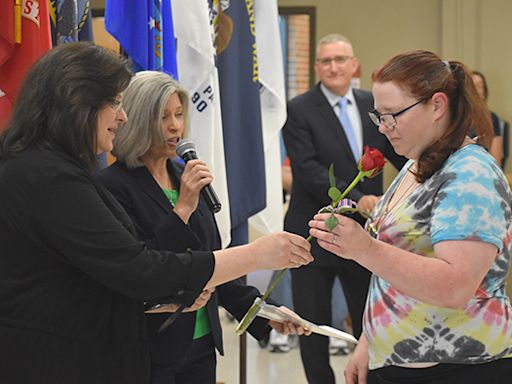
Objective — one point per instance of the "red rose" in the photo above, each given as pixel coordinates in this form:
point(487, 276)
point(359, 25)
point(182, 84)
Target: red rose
point(371, 162)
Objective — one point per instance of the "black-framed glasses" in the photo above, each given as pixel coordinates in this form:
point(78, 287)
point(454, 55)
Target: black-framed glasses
point(389, 119)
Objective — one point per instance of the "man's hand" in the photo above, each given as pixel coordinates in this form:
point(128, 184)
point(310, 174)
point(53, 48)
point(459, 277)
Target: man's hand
point(289, 327)
point(367, 203)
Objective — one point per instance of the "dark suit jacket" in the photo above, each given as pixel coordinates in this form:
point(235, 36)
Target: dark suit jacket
point(314, 139)
point(149, 208)
point(73, 278)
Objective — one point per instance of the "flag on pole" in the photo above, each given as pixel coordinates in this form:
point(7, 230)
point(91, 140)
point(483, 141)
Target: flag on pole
point(241, 115)
point(144, 29)
point(198, 74)
point(273, 111)
point(71, 20)
point(24, 37)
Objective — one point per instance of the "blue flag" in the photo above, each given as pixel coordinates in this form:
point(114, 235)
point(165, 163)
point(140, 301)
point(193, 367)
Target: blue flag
point(237, 64)
point(145, 31)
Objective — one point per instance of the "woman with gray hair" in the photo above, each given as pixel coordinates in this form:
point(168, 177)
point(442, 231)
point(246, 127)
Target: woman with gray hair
point(160, 192)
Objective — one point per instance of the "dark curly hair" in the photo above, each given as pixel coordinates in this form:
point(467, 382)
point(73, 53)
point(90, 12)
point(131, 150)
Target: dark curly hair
point(59, 101)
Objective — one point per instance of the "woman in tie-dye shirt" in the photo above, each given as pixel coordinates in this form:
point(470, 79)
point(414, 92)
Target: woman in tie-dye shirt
point(438, 243)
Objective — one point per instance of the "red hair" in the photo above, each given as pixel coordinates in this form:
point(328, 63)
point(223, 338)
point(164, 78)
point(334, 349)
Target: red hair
point(422, 74)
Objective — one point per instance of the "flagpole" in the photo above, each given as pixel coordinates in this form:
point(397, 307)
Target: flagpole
point(239, 236)
point(243, 351)
point(17, 21)
point(243, 358)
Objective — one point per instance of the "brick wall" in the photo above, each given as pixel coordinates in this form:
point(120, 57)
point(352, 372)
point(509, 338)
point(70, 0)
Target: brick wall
point(297, 79)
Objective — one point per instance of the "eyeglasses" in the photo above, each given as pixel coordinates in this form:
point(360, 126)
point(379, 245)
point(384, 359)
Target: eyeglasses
point(326, 61)
point(116, 105)
point(389, 119)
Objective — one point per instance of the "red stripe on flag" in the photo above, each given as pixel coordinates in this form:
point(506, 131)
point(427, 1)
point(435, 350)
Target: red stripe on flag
point(16, 60)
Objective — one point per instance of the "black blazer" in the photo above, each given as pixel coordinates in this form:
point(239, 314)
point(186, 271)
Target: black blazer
point(150, 210)
point(73, 278)
point(314, 139)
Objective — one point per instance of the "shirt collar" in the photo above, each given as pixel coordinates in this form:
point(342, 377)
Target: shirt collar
point(333, 98)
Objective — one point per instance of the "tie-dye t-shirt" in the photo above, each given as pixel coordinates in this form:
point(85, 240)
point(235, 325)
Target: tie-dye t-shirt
point(468, 199)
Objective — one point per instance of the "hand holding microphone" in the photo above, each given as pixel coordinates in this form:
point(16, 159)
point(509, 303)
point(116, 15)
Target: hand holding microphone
point(187, 151)
point(194, 178)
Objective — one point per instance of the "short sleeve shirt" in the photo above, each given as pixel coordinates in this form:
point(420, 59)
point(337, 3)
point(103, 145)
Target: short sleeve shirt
point(467, 199)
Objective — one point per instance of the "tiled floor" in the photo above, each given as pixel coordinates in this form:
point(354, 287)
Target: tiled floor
point(264, 367)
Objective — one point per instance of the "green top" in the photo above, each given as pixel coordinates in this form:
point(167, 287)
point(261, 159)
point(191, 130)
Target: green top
point(202, 324)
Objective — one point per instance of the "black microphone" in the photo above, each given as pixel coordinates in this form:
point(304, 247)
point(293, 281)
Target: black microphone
point(186, 149)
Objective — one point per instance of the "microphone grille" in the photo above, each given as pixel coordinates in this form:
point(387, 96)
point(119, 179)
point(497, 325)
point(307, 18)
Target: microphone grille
point(184, 146)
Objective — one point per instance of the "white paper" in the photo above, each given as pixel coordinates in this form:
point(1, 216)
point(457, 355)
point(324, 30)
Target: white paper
point(271, 312)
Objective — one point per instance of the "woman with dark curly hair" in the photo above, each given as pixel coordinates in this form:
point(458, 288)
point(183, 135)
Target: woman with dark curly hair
point(73, 276)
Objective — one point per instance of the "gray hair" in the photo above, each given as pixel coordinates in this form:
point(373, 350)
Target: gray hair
point(144, 103)
point(333, 38)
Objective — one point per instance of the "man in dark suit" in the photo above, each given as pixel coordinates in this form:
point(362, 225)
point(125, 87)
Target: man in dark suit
point(329, 124)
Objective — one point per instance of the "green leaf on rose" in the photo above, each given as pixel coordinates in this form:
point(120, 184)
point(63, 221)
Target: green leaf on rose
point(334, 193)
point(332, 179)
point(331, 222)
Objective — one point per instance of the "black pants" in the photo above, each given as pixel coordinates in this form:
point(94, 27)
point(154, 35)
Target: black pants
point(312, 291)
point(496, 372)
point(198, 366)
